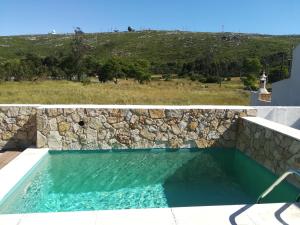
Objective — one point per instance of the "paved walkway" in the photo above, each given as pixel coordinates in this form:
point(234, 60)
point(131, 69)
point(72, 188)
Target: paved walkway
point(7, 156)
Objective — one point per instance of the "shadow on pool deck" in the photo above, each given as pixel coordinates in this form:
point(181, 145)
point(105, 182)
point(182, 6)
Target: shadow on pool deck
point(232, 217)
point(277, 214)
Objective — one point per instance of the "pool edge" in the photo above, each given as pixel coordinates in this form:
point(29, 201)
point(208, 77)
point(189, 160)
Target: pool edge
point(15, 170)
point(274, 213)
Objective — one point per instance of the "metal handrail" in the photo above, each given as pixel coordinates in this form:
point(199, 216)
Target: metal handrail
point(277, 182)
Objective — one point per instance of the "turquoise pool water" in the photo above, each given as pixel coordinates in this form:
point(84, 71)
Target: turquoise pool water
point(94, 180)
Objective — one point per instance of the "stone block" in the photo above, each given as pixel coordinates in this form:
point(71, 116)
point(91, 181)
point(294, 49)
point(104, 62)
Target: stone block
point(146, 134)
point(54, 140)
point(63, 127)
point(157, 113)
point(41, 140)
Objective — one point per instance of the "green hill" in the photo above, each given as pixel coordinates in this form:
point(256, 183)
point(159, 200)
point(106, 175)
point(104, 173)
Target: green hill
point(155, 46)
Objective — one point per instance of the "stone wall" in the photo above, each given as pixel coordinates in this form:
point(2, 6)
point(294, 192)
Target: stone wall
point(111, 127)
point(96, 128)
point(271, 147)
point(17, 127)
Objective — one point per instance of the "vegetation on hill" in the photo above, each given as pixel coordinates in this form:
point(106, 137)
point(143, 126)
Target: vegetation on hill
point(205, 57)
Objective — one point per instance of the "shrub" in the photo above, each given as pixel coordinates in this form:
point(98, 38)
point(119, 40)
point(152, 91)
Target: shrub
point(193, 77)
point(141, 75)
point(252, 66)
point(85, 80)
point(250, 82)
point(213, 79)
point(166, 77)
point(201, 78)
point(277, 74)
point(112, 69)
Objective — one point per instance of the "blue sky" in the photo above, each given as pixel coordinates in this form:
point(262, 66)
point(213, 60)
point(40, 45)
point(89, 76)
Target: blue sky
point(249, 16)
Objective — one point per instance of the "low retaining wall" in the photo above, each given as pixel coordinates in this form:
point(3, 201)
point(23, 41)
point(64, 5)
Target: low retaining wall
point(273, 145)
point(137, 127)
point(17, 126)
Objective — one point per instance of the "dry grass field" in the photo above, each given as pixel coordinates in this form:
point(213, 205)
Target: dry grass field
point(157, 92)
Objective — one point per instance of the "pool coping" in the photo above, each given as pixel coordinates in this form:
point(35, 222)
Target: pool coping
point(16, 169)
point(278, 213)
point(221, 214)
point(278, 127)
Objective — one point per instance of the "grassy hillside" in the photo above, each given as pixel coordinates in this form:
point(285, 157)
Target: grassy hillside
point(158, 47)
point(175, 92)
point(155, 46)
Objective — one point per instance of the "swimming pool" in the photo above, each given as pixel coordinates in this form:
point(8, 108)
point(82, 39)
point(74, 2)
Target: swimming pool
point(101, 180)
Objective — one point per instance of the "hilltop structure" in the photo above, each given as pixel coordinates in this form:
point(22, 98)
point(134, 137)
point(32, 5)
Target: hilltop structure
point(52, 32)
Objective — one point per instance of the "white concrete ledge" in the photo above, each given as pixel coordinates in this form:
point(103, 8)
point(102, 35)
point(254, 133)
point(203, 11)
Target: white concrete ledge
point(19, 105)
point(13, 172)
point(149, 106)
point(279, 213)
point(289, 116)
point(283, 129)
point(146, 107)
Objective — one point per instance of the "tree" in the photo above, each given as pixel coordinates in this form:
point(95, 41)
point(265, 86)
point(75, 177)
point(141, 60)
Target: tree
point(276, 65)
point(78, 31)
point(68, 67)
point(140, 71)
point(53, 69)
point(111, 70)
point(130, 29)
point(141, 75)
point(78, 51)
point(278, 73)
point(32, 66)
point(2, 71)
point(13, 70)
point(91, 65)
point(252, 66)
point(250, 82)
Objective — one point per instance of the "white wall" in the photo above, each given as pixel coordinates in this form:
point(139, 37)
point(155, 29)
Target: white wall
point(287, 92)
point(289, 116)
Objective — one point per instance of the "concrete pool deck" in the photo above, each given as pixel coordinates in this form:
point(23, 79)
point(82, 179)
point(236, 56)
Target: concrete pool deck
point(7, 156)
point(279, 213)
point(261, 214)
point(13, 172)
